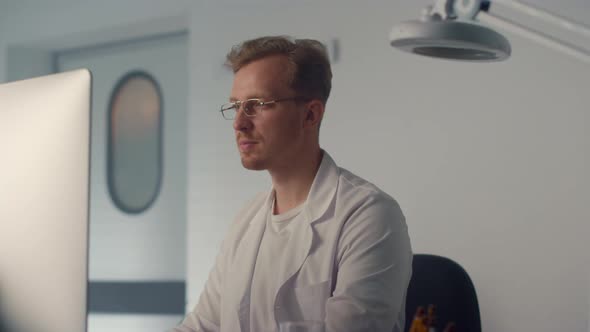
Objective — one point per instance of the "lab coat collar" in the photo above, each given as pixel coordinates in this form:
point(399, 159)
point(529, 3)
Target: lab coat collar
point(242, 268)
point(320, 194)
point(323, 188)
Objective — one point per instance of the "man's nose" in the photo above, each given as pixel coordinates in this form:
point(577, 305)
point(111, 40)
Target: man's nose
point(242, 122)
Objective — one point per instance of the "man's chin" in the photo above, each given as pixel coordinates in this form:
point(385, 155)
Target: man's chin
point(253, 165)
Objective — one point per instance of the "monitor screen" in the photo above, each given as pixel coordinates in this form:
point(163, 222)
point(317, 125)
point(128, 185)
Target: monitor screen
point(44, 197)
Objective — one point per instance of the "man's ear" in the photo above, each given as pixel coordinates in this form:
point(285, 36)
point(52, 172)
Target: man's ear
point(313, 113)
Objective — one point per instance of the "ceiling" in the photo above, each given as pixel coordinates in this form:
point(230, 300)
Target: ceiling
point(577, 10)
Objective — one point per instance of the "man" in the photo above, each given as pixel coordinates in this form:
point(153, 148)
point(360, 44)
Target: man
point(324, 250)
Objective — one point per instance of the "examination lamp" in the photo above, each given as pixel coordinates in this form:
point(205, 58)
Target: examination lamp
point(451, 29)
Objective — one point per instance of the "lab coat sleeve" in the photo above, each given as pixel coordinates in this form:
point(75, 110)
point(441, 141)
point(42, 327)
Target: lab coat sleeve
point(205, 317)
point(374, 263)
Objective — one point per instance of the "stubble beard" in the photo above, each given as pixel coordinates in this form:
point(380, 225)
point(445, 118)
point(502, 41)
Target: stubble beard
point(252, 164)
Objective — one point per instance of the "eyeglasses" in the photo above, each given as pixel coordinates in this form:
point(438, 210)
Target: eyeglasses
point(250, 106)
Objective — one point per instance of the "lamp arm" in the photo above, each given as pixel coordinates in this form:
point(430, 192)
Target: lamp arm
point(535, 35)
point(546, 16)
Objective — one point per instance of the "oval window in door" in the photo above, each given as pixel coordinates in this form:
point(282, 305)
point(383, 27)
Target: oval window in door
point(135, 142)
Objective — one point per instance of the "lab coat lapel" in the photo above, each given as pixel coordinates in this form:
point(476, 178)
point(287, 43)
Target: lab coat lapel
point(242, 269)
point(319, 198)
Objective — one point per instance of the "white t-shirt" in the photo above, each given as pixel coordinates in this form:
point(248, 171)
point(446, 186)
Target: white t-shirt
point(264, 284)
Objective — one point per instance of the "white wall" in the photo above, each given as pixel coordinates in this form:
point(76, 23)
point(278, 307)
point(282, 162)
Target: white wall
point(487, 161)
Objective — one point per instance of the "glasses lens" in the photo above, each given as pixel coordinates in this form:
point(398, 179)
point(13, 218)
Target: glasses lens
point(228, 111)
point(251, 106)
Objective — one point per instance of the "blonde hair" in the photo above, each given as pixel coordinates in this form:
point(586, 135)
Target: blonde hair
point(310, 74)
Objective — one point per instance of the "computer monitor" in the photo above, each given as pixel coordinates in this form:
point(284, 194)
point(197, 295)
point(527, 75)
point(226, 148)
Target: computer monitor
point(44, 197)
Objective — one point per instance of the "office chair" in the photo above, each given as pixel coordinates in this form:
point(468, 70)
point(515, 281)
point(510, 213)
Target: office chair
point(441, 281)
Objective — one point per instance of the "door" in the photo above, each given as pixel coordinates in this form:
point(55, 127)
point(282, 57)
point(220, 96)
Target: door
point(138, 181)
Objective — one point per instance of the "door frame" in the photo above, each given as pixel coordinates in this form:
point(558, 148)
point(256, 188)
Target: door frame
point(40, 57)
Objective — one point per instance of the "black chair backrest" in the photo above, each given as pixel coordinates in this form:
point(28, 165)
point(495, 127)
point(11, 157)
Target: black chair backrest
point(440, 281)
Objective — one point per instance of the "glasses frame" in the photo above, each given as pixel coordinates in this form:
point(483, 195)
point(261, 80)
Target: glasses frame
point(258, 102)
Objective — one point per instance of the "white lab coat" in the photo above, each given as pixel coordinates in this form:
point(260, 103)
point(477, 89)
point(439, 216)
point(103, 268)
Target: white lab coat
point(349, 267)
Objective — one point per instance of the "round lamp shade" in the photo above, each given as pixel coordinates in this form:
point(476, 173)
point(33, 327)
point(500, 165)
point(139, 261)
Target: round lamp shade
point(454, 40)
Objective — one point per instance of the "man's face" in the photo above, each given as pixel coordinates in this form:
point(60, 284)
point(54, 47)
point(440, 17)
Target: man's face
point(272, 138)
